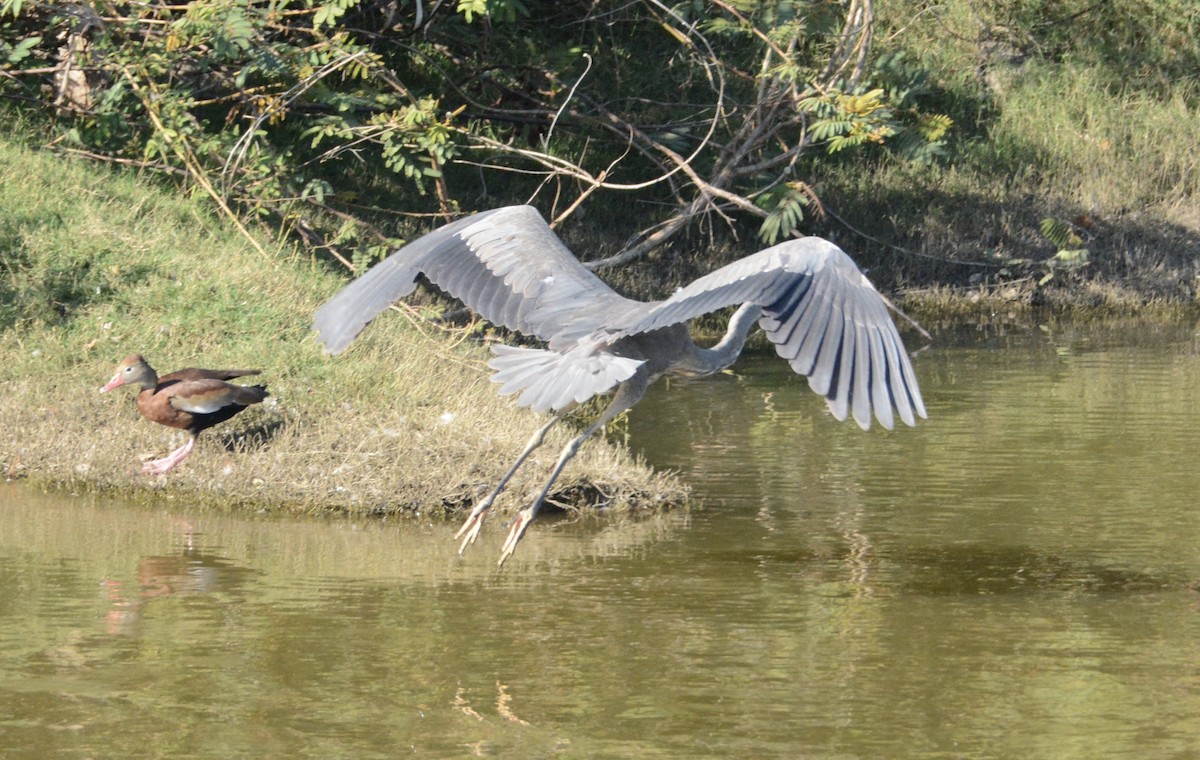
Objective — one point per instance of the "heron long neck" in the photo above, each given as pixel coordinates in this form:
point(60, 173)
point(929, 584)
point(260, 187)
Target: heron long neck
point(729, 348)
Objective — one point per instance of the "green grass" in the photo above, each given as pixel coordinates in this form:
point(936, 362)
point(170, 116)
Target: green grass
point(95, 264)
point(1096, 149)
point(1084, 112)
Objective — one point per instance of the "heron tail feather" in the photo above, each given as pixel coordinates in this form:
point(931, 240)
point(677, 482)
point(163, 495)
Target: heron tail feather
point(548, 380)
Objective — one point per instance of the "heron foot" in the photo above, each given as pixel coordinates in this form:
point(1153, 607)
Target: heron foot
point(470, 530)
point(524, 517)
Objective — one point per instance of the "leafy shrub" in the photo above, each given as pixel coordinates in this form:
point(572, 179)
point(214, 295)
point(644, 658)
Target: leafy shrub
point(327, 116)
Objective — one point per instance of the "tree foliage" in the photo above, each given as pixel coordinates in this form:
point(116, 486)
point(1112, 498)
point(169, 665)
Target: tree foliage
point(327, 116)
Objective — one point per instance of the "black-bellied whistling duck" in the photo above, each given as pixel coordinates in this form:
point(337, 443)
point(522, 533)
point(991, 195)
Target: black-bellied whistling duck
point(191, 399)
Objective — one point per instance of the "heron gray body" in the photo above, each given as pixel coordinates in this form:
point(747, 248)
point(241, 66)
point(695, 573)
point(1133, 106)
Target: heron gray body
point(821, 313)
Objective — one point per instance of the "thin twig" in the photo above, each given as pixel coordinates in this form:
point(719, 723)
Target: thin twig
point(906, 251)
point(190, 162)
point(566, 102)
point(243, 143)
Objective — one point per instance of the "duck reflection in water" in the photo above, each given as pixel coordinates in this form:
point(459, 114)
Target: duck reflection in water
point(191, 572)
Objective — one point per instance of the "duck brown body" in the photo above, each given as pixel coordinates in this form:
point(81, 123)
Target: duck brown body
point(181, 399)
point(190, 399)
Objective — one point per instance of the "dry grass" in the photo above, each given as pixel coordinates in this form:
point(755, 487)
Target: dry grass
point(102, 266)
point(349, 439)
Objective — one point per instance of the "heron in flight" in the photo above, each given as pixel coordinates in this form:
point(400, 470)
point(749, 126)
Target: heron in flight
point(814, 304)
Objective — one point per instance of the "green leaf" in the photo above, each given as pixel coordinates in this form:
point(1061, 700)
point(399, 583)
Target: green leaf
point(22, 49)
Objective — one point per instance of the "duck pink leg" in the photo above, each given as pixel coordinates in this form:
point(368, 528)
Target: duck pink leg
point(160, 466)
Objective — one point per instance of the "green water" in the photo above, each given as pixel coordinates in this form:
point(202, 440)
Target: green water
point(1019, 577)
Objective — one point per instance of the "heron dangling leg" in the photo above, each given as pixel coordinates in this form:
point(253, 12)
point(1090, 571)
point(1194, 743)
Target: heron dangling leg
point(470, 529)
point(525, 516)
point(628, 393)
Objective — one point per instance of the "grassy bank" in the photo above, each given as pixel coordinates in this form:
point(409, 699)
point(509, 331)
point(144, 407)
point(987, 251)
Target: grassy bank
point(97, 265)
point(1069, 178)
point(1078, 112)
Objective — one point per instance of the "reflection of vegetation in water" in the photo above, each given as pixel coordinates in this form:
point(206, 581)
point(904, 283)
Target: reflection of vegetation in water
point(1072, 434)
point(985, 569)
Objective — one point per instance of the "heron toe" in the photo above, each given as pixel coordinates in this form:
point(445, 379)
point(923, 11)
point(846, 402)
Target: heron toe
point(524, 517)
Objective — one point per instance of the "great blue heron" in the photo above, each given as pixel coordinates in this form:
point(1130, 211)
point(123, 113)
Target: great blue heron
point(823, 315)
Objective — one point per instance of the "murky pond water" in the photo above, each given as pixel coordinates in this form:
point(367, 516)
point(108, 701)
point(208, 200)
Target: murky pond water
point(1018, 577)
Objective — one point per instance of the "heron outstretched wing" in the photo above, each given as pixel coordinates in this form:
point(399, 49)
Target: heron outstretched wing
point(506, 264)
point(824, 317)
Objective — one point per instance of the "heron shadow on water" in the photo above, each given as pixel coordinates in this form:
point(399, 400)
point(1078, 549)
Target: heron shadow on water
point(813, 303)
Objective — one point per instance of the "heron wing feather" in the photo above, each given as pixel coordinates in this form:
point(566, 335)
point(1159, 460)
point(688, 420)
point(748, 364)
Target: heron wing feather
point(824, 317)
point(860, 393)
point(505, 264)
point(512, 270)
point(880, 393)
point(339, 321)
